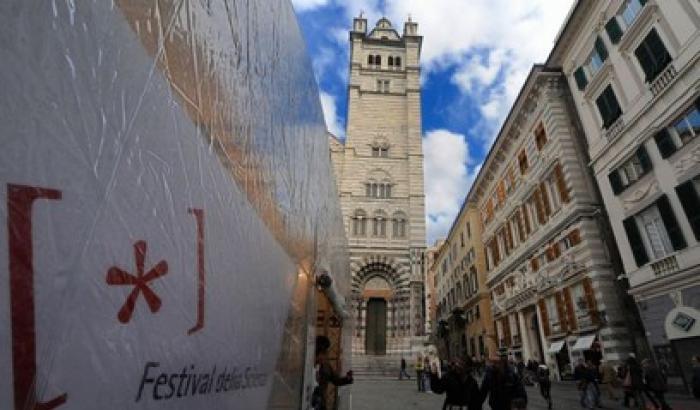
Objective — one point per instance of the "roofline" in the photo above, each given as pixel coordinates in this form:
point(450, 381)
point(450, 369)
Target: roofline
point(563, 31)
point(536, 69)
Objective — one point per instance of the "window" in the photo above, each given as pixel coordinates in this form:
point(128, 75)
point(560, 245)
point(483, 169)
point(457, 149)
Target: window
point(580, 78)
point(382, 152)
point(553, 192)
point(681, 132)
point(378, 190)
point(652, 55)
point(630, 171)
point(399, 225)
point(540, 137)
point(688, 194)
point(469, 231)
point(370, 60)
point(379, 225)
point(383, 86)
point(631, 10)
point(522, 162)
point(390, 61)
point(654, 232)
point(397, 61)
point(612, 27)
point(359, 223)
point(552, 311)
point(608, 107)
point(378, 60)
point(596, 60)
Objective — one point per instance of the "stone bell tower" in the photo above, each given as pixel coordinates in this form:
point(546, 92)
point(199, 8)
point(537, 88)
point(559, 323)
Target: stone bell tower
point(380, 180)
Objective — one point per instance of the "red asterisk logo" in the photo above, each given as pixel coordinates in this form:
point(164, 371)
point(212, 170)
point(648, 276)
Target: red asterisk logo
point(117, 276)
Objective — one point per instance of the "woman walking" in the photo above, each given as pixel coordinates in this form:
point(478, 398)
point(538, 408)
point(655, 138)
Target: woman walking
point(460, 388)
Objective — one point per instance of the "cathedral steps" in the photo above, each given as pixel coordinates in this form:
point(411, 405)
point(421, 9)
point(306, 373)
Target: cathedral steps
point(370, 367)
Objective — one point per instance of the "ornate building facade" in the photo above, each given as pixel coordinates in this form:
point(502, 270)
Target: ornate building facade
point(379, 170)
point(551, 266)
point(634, 75)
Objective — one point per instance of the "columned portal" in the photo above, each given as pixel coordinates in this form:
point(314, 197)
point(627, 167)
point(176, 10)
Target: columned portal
point(375, 341)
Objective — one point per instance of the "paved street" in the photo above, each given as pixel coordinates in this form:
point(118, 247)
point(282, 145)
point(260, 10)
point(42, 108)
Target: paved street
point(387, 394)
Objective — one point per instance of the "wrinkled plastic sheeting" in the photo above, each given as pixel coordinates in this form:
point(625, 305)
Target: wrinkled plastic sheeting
point(168, 192)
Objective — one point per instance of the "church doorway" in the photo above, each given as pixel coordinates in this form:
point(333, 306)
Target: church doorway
point(375, 341)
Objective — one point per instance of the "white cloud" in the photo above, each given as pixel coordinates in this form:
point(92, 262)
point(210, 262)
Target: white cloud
point(305, 5)
point(331, 115)
point(447, 179)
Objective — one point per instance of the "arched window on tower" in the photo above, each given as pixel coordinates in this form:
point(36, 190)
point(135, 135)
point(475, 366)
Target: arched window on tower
point(370, 60)
point(399, 225)
point(397, 62)
point(390, 61)
point(378, 59)
point(359, 223)
point(379, 226)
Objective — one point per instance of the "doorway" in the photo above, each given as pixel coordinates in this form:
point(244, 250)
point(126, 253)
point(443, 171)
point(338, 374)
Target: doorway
point(375, 341)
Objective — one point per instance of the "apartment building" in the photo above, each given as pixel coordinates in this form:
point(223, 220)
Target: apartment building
point(549, 269)
point(430, 280)
point(633, 70)
point(465, 324)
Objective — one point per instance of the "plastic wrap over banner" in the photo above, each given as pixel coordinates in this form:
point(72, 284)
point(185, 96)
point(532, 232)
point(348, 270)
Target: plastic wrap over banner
point(166, 195)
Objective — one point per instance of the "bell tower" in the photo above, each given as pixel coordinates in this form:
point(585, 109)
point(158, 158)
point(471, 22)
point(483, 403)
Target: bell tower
point(380, 178)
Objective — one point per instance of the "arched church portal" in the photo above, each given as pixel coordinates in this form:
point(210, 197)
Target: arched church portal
point(377, 291)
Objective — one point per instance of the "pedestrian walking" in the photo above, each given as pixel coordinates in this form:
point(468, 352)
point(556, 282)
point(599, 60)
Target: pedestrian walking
point(403, 371)
point(460, 388)
point(325, 375)
point(655, 382)
point(633, 382)
point(695, 382)
point(545, 383)
point(609, 379)
point(585, 376)
point(503, 387)
point(426, 374)
point(419, 373)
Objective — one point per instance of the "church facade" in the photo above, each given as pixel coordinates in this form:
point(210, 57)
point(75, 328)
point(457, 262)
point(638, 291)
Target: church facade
point(379, 170)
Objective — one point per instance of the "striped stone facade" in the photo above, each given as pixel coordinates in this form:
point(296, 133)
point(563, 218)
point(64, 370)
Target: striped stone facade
point(550, 267)
point(379, 170)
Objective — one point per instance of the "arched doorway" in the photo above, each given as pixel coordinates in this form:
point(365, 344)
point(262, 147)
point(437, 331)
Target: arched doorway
point(376, 293)
point(375, 341)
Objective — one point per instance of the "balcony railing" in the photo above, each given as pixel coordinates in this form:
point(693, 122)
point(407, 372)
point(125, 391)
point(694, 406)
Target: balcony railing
point(663, 80)
point(665, 266)
point(584, 321)
point(516, 340)
point(615, 129)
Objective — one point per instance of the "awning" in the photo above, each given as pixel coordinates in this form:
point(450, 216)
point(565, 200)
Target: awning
point(556, 347)
point(584, 342)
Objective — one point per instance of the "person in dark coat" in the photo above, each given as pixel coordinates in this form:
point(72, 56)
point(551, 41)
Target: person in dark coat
point(545, 382)
point(503, 387)
point(695, 381)
point(460, 388)
point(655, 382)
point(325, 375)
point(403, 371)
point(633, 382)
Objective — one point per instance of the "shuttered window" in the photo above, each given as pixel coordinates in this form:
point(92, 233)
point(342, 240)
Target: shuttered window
point(591, 300)
point(575, 237)
point(634, 237)
point(540, 137)
point(570, 312)
point(612, 27)
point(522, 162)
point(690, 200)
point(545, 199)
point(665, 143)
point(608, 107)
point(561, 184)
point(526, 218)
point(534, 264)
point(561, 313)
point(545, 318)
point(652, 55)
point(630, 171)
point(580, 78)
point(674, 231)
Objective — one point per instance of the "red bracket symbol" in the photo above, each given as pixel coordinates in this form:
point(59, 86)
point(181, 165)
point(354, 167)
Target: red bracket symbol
point(117, 276)
point(201, 278)
point(21, 247)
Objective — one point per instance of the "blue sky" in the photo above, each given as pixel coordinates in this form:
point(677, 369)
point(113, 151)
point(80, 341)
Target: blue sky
point(475, 57)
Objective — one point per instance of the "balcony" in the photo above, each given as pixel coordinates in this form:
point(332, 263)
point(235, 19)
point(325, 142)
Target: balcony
point(517, 341)
point(663, 80)
point(614, 129)
point(665, 266)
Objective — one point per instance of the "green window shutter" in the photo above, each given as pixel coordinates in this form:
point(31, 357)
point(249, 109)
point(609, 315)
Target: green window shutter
point(665, 143)
point(615, 182)
point(671, 223)
point(608, 106)
point(612, 27)
point(603, 109)
point(600, 49)
point(661, 56)
point(644, 159)
point(646, 60)
point(635, 241)
point(580, 77)
point(690, 201)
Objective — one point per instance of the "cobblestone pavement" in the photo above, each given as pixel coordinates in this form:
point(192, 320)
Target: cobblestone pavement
point(403, 395)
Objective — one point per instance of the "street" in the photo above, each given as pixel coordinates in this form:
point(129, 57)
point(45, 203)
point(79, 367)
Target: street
point(389, 394)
